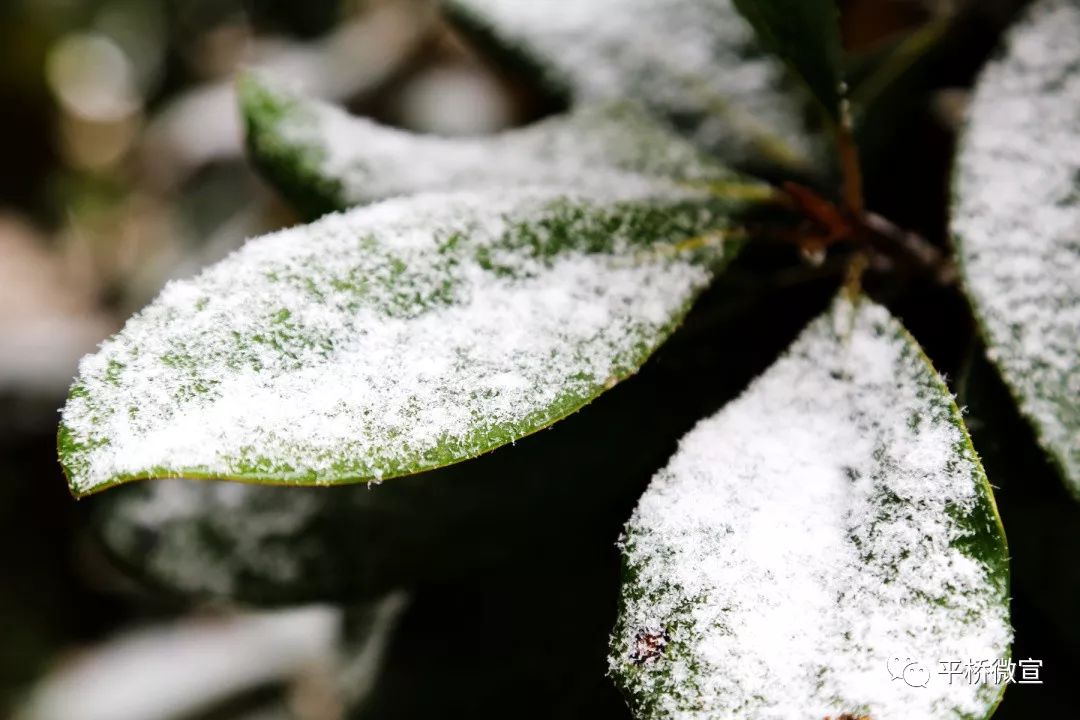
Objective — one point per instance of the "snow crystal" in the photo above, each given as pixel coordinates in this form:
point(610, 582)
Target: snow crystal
point(392, 338)
point(809, 532)
point(1017, 221)
point(694, 61)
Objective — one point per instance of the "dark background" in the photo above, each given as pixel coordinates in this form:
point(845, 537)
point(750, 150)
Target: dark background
point(108, 189)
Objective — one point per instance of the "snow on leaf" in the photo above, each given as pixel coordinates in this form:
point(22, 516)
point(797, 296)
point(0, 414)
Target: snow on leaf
point(324, 159)
point(1016, 222)
point(394, 338)
point(694, 61)
point(831, 519)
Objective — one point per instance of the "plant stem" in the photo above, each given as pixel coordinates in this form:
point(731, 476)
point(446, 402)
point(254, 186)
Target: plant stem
point(853, 198)
point(884, 232)
point(850, 167)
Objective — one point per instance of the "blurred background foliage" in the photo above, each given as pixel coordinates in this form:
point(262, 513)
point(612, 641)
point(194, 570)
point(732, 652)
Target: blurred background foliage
point(123, 167)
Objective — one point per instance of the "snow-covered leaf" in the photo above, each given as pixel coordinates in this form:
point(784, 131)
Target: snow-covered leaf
point(819, 546)
point(806, 34)
point(1016, 222)
point(394, 338)
point(324, 159)
point(696, 62)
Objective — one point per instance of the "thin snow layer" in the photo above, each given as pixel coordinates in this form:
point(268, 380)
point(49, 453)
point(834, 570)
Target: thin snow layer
point(811, 531)
point(691, 60)
point(1017, 221)
point(368, 161)
point(392, 338)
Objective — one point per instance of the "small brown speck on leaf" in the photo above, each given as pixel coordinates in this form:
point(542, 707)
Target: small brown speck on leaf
point(648, 646)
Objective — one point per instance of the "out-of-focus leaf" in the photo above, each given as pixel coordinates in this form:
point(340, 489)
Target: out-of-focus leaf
point(1016, 222)
point(819, 546)
point(890, 83)
point(184, 669)
point(395, 338)
point(323, 159)
point(874, 73)
point(806, 34)
point(694, 61)
point(201, 125)
point(48, 319)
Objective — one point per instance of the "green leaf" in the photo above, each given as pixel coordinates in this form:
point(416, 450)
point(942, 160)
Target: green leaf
point(693, 61)
point(395, 338)
point(1016, 222)
point(806, 34)
point(828, 530)
point(323, 159)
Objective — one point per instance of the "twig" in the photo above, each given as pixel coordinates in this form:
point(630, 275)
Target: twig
point(911, 245)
